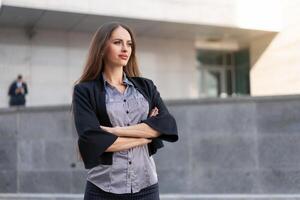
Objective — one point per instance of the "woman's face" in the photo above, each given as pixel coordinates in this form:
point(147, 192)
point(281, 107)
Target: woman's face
point(118, 48)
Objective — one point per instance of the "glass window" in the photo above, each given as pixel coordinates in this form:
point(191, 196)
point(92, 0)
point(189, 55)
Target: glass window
point(223, 73)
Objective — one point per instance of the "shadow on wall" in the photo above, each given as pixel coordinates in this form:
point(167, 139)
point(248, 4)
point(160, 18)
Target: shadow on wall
point(259, 47)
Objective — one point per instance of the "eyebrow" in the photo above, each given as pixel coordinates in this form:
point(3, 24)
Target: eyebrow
point(121, 39)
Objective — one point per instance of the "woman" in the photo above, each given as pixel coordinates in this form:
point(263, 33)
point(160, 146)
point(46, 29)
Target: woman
point(120, 119)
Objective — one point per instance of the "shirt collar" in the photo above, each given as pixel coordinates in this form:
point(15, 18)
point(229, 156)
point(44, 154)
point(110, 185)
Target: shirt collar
point(125, 80)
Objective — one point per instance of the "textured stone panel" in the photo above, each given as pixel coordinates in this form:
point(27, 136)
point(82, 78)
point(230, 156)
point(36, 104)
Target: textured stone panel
point(31, 155)
point(8, 181)
point(222, 119)
point(279, 152)
point(78, 181)
point(209, 181)
point(224, 152)
point(46, 125)
point(173, 181)
point(8, 154)
point(278, 117)
point(45, 181)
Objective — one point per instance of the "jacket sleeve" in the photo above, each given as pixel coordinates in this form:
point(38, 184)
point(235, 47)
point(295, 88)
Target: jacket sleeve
point(164, 122)
point(11, 90)
point(92, 141)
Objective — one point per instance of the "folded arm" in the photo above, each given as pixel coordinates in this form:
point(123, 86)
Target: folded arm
point(124, 143)
point(164, 122)
point(141, 130)
point(162, 125)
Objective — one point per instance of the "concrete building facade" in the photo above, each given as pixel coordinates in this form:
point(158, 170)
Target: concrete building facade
point(191, 49)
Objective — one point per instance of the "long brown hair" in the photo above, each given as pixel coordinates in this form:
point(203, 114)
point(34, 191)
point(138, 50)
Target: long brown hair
point(95, 62)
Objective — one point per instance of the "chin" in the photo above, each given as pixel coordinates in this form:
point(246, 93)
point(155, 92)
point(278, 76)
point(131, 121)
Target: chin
point(120, 63)
point(123, 63)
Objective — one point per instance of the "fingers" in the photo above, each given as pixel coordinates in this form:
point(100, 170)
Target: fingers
point(146, 140)
point(154, 112)
point(105, 128)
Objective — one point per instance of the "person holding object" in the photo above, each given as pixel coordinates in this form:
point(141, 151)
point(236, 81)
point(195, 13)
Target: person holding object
point(120, 119)
point(17, 91)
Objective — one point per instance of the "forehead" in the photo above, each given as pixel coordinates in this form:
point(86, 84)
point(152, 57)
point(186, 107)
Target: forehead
point(120, 33)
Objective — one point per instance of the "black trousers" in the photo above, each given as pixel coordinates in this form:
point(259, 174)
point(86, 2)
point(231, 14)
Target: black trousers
point(92, 192)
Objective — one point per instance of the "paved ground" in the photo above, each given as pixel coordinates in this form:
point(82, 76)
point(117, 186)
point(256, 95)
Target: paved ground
point(28, 196)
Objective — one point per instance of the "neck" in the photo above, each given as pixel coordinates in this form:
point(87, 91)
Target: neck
point(114, 75)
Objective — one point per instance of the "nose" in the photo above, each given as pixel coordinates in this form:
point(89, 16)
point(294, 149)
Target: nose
point(124, 48)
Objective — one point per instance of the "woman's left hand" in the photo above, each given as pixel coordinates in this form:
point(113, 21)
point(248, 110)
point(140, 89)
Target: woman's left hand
point(154, 112)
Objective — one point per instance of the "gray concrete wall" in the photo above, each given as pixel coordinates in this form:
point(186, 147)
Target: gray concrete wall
point(227, 146)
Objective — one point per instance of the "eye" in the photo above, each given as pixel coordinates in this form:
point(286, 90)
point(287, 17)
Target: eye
point(129, 44)
point(117, 42)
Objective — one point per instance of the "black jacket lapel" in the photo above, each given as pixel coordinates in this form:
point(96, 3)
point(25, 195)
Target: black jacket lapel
point(101, 102)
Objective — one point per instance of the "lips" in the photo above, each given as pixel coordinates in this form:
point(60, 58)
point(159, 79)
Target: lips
point(124, 57)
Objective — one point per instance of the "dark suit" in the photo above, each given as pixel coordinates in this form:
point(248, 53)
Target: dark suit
point(89, 110)
point(17, 99)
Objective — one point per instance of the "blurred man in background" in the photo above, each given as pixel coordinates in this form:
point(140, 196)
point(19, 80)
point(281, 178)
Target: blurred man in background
point(17, 91)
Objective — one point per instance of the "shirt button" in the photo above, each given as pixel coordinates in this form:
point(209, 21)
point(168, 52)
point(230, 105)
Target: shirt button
point(129, 162)
point(128, 124)
point(127, 111)
point(124, 100)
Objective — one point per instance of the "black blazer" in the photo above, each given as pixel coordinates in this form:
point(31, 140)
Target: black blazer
point(89, 109)
point(17, 99)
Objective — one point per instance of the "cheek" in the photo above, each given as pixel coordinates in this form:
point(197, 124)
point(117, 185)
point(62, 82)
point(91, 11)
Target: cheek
point(129, 51)
point(111, 53)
